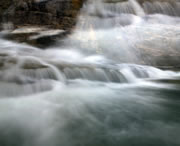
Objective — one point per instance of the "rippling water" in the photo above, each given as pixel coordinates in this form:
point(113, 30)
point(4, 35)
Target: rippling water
point(88, 89)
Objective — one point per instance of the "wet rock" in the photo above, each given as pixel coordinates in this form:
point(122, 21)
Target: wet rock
point(37, 36)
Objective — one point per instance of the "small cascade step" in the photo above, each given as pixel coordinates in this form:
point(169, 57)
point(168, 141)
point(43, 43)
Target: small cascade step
point(167, 7)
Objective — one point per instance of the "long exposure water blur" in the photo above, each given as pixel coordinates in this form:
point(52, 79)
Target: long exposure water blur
point(99, 86)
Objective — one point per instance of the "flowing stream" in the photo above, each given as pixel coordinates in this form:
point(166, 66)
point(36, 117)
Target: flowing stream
point(98, 86)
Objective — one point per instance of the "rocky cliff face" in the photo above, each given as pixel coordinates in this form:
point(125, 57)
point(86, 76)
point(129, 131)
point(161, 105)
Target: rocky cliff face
point(52, 13)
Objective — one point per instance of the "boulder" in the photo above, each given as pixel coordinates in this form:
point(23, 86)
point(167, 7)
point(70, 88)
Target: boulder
point(59, 14)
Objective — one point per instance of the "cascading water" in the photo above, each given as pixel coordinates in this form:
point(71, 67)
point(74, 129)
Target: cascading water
point(87, 89)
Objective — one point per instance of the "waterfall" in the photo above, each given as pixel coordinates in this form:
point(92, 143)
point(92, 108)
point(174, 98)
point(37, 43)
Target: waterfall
point(137, 8)
point(114, 81)
point(127, 36)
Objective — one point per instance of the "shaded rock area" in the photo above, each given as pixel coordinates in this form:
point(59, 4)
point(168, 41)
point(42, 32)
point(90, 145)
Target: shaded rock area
point(55, 15)
point(59, 14)
point(4, 5)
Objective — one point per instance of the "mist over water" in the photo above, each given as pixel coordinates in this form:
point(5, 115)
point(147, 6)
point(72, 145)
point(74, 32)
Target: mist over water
point(98, 86)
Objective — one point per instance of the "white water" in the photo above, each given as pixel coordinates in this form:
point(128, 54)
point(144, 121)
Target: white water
point(87, 89)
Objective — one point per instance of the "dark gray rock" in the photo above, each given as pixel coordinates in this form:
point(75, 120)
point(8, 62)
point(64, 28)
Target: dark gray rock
point(51, 13)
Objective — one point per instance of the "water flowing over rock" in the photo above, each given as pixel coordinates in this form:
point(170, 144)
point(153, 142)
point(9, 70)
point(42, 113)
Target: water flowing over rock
point(113, 81)
point(125, 32)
